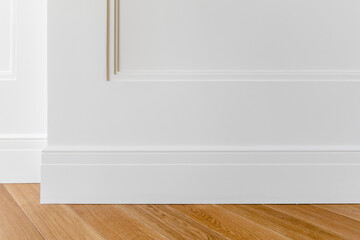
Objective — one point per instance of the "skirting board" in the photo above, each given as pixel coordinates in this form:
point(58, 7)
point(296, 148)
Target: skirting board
point(199, 177)
point(20, 158)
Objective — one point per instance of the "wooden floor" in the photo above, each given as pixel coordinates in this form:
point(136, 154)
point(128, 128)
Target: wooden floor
point(22, 217)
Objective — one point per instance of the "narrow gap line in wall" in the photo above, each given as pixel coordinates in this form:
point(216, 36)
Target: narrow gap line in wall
point(115, 36)
point(108, 41)
point(118, 35)
point(115, 4)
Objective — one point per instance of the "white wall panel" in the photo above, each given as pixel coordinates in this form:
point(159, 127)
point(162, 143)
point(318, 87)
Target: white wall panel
point(7, 39)
point(295, 89)
point(23, 101)
point(203, 35)
point(23, 98)
point(314, 112)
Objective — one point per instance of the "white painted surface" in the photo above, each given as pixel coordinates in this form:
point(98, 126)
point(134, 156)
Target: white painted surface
point(228, 39)
point(196, 35)
point(22, 88)
point(65, 156)
point(20, 158)
point(201, 178)
point(310, 106)
point(8, 25)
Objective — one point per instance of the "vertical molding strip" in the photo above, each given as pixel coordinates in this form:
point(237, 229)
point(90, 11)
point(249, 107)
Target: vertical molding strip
point(108, 41)
point(115, 36)
point(118, 35)
point(116, 52)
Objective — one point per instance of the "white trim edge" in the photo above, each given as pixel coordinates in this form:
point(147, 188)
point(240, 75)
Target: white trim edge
point(239, 76)
point(20, 158)
point(200, 177)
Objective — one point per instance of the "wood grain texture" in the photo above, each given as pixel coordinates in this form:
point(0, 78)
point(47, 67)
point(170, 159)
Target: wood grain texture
point(14, 224)
point(282, 223)
point(169, 223)
point(22, 217)
point(58, 222)
point(226, 223)
point(114, 223)
point(352, 211)
point(348, 228)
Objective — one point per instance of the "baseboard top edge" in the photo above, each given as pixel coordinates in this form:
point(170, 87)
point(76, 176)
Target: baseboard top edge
point(22, 137)
point(197, 149)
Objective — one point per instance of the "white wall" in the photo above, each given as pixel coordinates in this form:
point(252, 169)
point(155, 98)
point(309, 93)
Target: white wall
point(22, 89)
point(237, 84)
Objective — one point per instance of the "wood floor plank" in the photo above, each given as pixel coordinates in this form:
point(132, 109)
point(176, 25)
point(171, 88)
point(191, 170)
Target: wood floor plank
point(58, 222)
point(22, 217)
point(169, 223)
point(346, 227)
point(226, 223)
point(14, 224)
point(114, 223)
point(352, 211)
point(282, 223)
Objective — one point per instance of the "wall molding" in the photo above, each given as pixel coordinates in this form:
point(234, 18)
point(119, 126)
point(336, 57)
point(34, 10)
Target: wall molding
point(115, 73)
point(238, 76)
point(11, 73)
point(20, 158)
point(113, 57)
point(185, 149)
point(199, 177)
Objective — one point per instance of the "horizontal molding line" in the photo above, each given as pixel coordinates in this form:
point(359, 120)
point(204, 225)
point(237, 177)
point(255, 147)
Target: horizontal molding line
point(87, 157)
point(16, 137)
point(11, 143)
point(239, 76)
point(206, 164)
point(53, 149)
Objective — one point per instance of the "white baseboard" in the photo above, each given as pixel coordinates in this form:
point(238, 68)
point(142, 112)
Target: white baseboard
point(199, 177)
point(20, 158)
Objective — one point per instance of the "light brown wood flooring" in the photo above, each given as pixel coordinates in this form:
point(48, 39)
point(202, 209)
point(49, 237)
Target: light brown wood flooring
point(22, 217)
